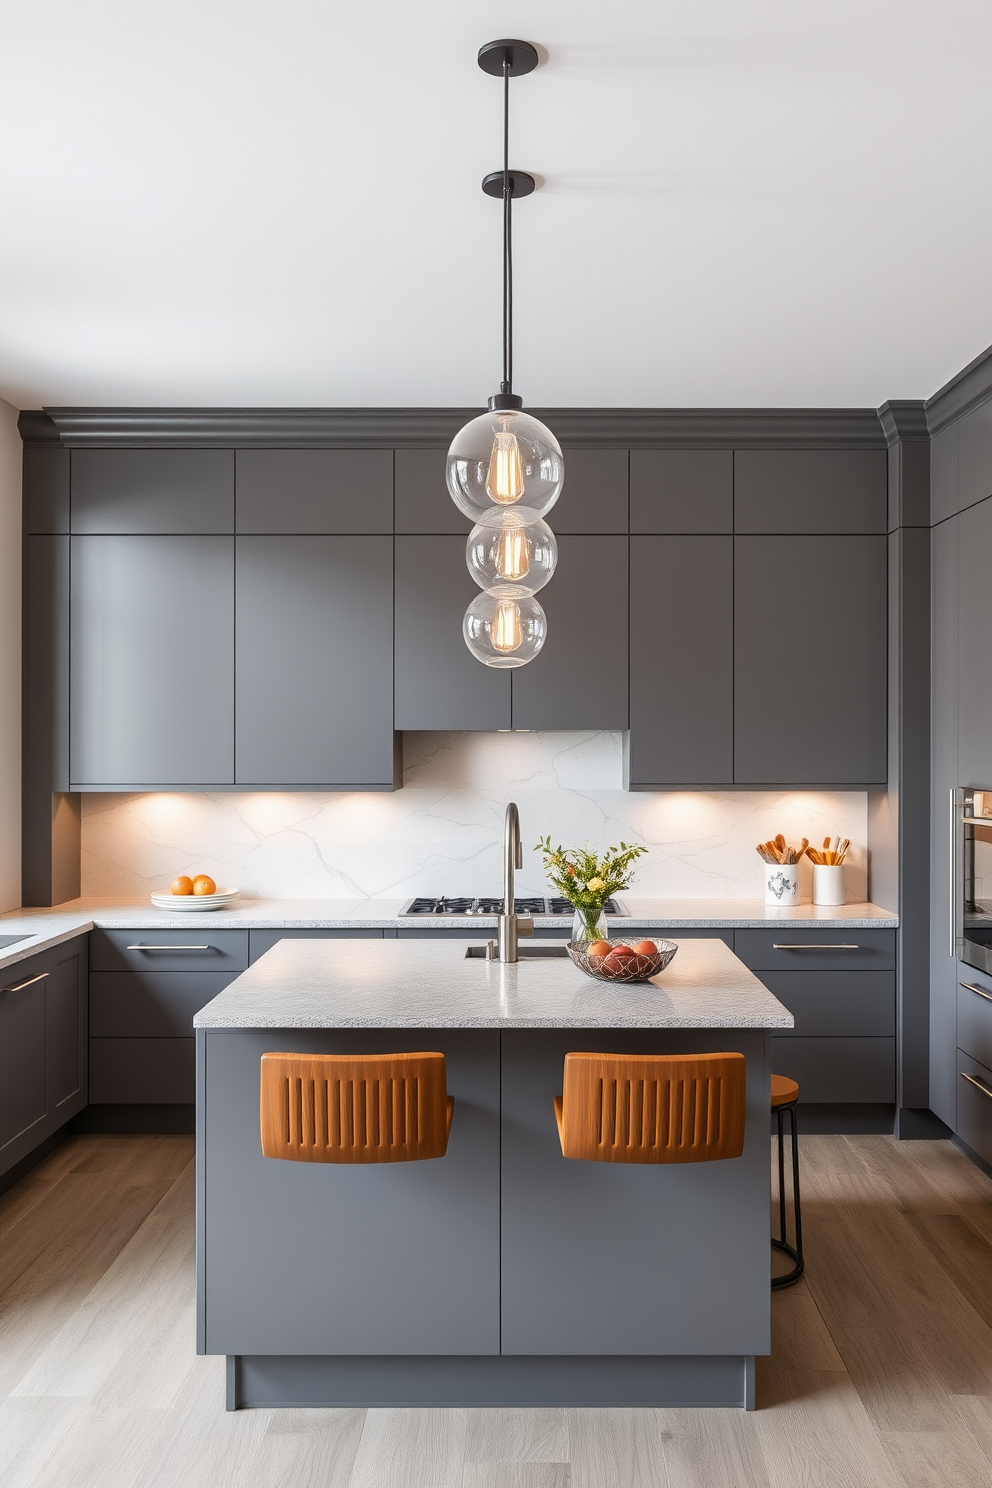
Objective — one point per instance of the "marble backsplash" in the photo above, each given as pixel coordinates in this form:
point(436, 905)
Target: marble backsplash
point(442, 832)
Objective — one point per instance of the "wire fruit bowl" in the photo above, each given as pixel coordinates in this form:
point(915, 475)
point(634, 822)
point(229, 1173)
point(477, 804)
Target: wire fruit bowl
point(612, 968)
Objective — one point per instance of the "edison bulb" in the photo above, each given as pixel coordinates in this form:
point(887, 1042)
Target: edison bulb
point(508, 549)
point(504, 459)
point(504, 627)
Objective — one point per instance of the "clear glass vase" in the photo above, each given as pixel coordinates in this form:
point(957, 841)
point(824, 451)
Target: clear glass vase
point(590, 924)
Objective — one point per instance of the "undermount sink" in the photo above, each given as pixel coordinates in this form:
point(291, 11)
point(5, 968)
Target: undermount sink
point(9, 940)
point(524, 952)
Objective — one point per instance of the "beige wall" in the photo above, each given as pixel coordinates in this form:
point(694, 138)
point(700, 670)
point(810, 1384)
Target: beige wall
point(10, 658)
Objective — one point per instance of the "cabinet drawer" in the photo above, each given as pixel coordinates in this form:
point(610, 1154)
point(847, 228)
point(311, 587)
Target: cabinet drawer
point(836, 1004)
point(260, 941)
point(975, 1017)
point(838, 1069)
point(975, 1106)
point(151, 1004)
point(169, 950)
point(143, 1071)
point(787, 949)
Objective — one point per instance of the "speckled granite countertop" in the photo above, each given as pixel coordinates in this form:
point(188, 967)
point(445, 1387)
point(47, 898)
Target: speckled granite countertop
point(431, 984)
point(42, 928)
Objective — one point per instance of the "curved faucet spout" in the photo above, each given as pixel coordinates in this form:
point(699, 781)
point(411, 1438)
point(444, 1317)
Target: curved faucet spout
point(510, 925)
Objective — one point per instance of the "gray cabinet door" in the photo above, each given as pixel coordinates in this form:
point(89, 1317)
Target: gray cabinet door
point(281, 490)
point(810, 639)
point(681, 662)
point(438, 682)
point(152, 490)
point(974, 649)
point(594, 496)
point(67, 1029)
point(682, 491)
point(838, 1070)
point(810, 491)
point(152, 670)
point(945, 777)
point(422, 503)
point(23, 1054)
point(974, 433)
point(315, 662)
point(579, 679)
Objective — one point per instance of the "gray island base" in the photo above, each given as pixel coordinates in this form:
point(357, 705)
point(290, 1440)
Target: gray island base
point(501, 1274)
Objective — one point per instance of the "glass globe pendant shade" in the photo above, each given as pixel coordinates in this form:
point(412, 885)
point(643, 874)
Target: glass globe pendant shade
point(508, 550)
point(502, 459)
point(504, 627)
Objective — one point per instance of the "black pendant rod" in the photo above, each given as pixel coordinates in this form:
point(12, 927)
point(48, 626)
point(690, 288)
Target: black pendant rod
point(507, 384)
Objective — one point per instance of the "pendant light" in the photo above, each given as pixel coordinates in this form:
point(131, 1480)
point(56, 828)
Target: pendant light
point(505, 469)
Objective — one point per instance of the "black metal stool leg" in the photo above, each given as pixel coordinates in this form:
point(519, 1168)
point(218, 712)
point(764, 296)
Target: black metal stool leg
point(781, 1242)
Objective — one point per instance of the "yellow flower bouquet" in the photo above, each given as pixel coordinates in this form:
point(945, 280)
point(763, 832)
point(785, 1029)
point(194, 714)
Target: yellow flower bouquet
point(587, 880)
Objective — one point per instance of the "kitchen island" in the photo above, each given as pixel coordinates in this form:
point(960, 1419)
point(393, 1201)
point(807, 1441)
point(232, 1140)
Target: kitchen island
point(502, 1274)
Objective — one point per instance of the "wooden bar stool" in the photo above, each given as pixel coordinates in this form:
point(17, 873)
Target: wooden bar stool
point(354, 1108)
point(652, 1108)
point(785, 1095)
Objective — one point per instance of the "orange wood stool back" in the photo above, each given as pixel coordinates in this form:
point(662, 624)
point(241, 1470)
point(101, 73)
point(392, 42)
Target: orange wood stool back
point(355, 1108)
point(652, 1108)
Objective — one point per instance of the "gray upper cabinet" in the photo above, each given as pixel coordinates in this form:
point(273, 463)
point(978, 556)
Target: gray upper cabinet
point(314, 662)
point(945, 777)
point(944, 474)
point(297, 491)
point(438, 682)
point(594, 497)
point(681, 662)
point(46, 490)
point(152, 661)
point(422, 501)
point(974, 652)
point(579, 679)
point(974, 433)
point(152, 491)
point(810, 661)
point(785, 491)
point(681, 491)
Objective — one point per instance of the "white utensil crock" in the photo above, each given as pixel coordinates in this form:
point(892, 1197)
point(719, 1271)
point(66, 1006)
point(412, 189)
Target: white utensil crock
point(828, 883)
point(781, 883)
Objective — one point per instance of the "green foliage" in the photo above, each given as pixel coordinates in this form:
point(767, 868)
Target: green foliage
point(583, 877)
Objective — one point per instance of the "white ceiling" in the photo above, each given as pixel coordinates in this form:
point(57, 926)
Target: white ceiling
point(276, 202)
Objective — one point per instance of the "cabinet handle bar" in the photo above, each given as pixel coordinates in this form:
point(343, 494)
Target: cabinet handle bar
point(978, 991)
point(978, 1084)
point(168, 948)
point(795, 946)
point(19, 986)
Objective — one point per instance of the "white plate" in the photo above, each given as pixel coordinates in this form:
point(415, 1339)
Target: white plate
point(195, 903)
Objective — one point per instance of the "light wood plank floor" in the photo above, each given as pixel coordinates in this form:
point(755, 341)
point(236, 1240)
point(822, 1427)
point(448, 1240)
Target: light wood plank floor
point(881, 1375)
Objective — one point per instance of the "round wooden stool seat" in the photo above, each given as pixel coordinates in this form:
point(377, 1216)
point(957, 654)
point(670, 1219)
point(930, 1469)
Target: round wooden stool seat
point(784, 1091)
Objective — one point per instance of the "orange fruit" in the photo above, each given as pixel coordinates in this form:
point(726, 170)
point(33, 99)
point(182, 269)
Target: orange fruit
point(182, 885)
point(598, 948)
point(646, 948)
point(204, 884)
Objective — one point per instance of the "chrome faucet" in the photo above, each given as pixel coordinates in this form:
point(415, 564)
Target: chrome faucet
point(511, 925)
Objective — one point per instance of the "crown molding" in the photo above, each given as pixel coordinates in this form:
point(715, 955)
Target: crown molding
point(903, 420)
point(342, 428)
point(971, 386)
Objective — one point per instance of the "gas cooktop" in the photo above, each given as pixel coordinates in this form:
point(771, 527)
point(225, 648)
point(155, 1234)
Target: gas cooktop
point(465, 907)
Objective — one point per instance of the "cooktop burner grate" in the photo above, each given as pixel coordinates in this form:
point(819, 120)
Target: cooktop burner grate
point(486, 906)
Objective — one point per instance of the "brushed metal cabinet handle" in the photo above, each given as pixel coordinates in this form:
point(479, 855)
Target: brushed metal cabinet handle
point(978, 1084)
point(798, 946)
point(19, 986)
point(978, 991)
point(168, 948)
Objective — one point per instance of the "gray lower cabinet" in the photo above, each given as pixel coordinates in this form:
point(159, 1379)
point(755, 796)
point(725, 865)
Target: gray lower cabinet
point(974, 1106)
point(43, 1074)
point(314, 667)
point(260, 941)
point(438, 683)
point(681, 662)
point(145, 987)
point(841, 989)
point(152, 661)
point(579, 679)
point(810, 675)
point(975, 1014)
